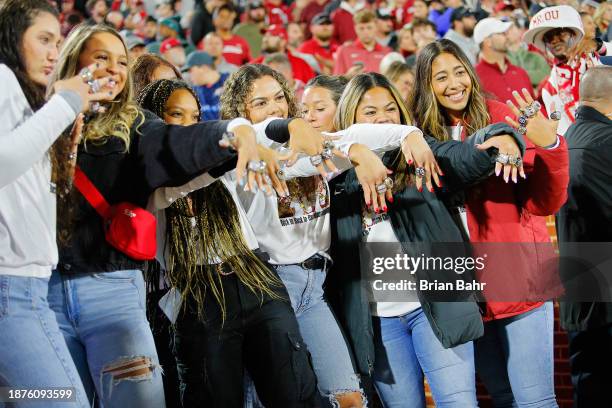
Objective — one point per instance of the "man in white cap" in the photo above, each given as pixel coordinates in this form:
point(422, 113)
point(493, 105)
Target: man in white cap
point(559, 31)
point(497, 75)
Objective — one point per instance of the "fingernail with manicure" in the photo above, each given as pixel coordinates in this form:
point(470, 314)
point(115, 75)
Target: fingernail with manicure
point(377, 210)
point(384, 208)
point(497, 171)
point(390, 199)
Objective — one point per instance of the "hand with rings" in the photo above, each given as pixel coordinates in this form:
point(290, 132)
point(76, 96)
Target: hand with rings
point(250, 163)
point(273, 171)
point(91, 90)
point(416, 150)
point(508, 156)
point(307, 140)
point(372, 176)
point(530, 120)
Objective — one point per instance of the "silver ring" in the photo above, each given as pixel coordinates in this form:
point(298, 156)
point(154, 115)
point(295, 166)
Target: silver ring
point(95, 107)
point(419, 171)
point(502, 158)
point(72, 156)
point(257, 166)
point(328, 144)
point(536, 106)
point(327, 154)
point(528, 111)
point(229, 138)
point(281, 174)
point(556, 115)
point(522, 120)
point(86, 75)
point(316, 160)
point(94, 86)
point(522, 130)
point(388, 182)
point(515, 161)
point(381, 188)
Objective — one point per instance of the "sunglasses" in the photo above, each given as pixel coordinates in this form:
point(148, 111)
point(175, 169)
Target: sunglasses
point(563, 33)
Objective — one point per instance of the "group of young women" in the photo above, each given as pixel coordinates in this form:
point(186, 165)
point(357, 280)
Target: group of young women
point(258, 248)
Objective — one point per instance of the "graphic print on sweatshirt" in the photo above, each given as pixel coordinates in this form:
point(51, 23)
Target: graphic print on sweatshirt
point(308, 199)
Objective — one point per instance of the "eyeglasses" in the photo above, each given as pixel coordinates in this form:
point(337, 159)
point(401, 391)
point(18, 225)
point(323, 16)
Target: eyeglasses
point(563, 33)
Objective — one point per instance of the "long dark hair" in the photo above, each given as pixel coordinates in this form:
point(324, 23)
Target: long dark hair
point(428, 114)
point(142, 70)
point(16, 16)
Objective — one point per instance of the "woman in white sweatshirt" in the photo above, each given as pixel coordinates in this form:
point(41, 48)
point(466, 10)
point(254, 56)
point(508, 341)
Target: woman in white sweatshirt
point(33, 352)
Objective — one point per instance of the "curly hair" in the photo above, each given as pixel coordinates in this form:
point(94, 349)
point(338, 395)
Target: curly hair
point(154, 96)
point(240, 84)
point(143, 67)
point(16, 16)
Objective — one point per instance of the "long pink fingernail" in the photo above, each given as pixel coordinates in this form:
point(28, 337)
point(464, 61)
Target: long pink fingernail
point(497, 171)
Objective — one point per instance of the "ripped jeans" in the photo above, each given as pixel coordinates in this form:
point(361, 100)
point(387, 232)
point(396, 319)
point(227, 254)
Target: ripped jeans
point(260, 335)
point(102, 317)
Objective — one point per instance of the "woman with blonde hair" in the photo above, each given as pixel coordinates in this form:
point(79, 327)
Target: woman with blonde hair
point(602, 19)
point(97, 291)
point(397, 343)
point(514, 358)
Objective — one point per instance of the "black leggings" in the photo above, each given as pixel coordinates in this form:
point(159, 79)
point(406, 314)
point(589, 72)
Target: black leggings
point(260, 336)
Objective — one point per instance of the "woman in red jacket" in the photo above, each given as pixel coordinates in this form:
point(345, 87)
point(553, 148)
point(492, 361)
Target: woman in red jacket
point(514, 358)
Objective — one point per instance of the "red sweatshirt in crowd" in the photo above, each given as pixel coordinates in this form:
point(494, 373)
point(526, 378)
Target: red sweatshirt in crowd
point(301, 70)
point(348, 54)
point(501, 84)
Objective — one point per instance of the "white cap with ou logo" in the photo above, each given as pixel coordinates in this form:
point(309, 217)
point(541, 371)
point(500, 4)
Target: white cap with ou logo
point(550, 18)
point(489, 26)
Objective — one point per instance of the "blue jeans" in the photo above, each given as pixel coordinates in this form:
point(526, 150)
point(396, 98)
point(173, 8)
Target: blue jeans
point(514, 359)
point(33, 353)
point(102, 317)
point(406, 348)
point(320, 330)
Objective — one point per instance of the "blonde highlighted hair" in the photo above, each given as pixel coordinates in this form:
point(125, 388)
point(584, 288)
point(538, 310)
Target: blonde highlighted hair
point(122, 112)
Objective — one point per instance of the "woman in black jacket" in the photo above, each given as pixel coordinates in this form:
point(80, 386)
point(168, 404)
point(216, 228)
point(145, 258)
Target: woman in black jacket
point(397, 342)
point(97, 291)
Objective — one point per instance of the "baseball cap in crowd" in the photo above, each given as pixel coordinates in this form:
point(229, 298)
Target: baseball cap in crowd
point(461, 12)
point(132, 41)
point(321, 19)
point(503, 5)
point(489, 26)
point(169, 43)
point(591, 3)
point(550, 18)
point(383, 14)
point(171, 23)
point(198, 58)
point(277, 30)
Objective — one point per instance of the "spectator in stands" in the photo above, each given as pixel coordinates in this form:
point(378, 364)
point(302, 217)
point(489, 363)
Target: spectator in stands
point(406, 44)
point(169, 28)
point(202, 21)
point(70, 21)
point(149, 31)
point(364, 54)
point(321, 45)
point(588, 25)
point(207, 82)
point(235, 48)
point(278, 12)
point(559, 30)
point(252, 27)
point(280, 63)
point(424, 32)
point(342, 17)
point(135, 15)
point(603, 18)
point(213, 45)
point(164, 9)
point(97, 10)
point(420, 9)
point(172, 50)
point(385, 35)
point(148, 68)
point(402, 77)
point(313, 8)
point(275, 40)
point(588, 6)
point(402, 13)
point(461, 32)
point(520, 55)
point(114, 19)
point(295, 36)
point(135, 46)
point(497, 75)
point(587, 217)
point(442, 18)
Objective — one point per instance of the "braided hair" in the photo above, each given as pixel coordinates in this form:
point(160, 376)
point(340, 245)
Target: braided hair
point(204, 227)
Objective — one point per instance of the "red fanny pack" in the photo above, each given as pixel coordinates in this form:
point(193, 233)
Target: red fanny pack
point(128, 228)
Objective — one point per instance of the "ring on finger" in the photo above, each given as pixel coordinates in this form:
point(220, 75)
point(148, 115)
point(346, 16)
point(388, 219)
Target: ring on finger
point(381, 188)
point(419, 172)
point(95, 107)
point(528, 111)
point(86, 75)
point(502, 158)
point(556, 115)
point(388, 182)
point(328, 144)
point(94, 86)
point(536, 107)
point(316, 159)
point(515, 161)
point(522, 120)
point(522, 130)
point(327, 154)
point(257, 166)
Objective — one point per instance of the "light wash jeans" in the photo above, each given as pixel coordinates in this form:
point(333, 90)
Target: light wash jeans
point(331, 358)
point(406, 348)
point(33, 353)
point(102, 317)
point(515, 359)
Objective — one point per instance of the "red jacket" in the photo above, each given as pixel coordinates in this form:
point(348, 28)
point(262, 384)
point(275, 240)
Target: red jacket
point(344, 27)
point(301, 70)
point(506, 212)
